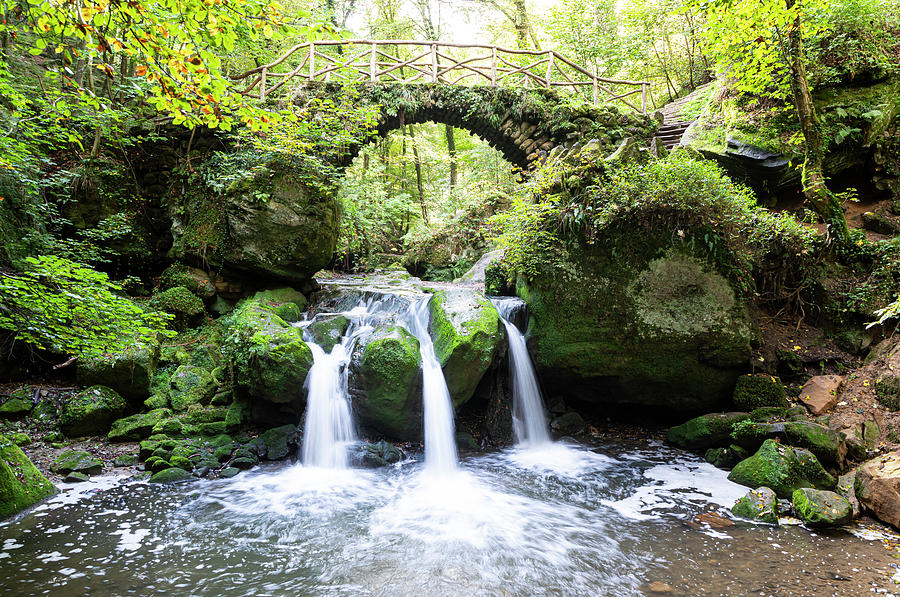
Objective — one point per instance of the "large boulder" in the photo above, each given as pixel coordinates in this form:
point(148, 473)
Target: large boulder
point(271, 361)
point(466, 331)
point(271, 221)
point(328, 332)
point(386, 383)
point(705, 431)
point(783, 469)
point(636, 319)
point(878, 487)
point(91, 411)
point(21, 483)
point(128, 373)
point(76, 461)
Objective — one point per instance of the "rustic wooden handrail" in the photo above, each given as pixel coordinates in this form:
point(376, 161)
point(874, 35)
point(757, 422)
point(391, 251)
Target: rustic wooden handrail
point(365, 60)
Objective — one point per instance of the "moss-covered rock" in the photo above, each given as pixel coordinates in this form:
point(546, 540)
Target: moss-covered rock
point(639, 318)
point(21, 484)
point(328, 332)
point(189, 386)
point(128, 373)
point(171, 475)
point(726, 458)
point(186, 307)
point(280, 441)
point(783, 469)
point(828, 445)
point(466, 331)
point(76, 460)
point(17, 405)
point(137, 427)
point(91, 411)
point(271, 361)
point(386, 382)
point(761, 390)
point(821, 508)
point(195, 280)
point(760, 505)
point(705, 431)
point(369, 455)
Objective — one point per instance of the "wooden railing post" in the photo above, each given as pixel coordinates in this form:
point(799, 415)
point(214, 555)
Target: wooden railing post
point(549, 68)
point(262, 83)
point(434, 63)
point(494, 66)
point(312, 61)
point(372, 69)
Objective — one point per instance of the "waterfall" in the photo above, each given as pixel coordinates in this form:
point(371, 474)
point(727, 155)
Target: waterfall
point(329, 426)
point(440, 443)
point(529, 422)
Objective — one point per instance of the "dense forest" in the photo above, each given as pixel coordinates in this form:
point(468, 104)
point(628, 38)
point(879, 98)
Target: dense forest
point(235, 233)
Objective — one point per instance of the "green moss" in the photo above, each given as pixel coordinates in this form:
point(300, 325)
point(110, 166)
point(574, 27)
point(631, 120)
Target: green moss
point(828, 445)
point(21, 484)
point(91, 411)
point(783, 469)
point(171, 475)
point(76, 460)
point(705, 431)
point(137, 427)
point(821, 508)
point(760, 505)
point(328, 332)
point(129, 372)
point(15, 408)
point(180, 302)
point(390, 372)
point(465, 328)
point(191, 386)
point(197, 281)
point(756, 391)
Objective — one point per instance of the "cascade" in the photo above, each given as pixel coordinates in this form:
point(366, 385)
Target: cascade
point(440, 443)
point(529, 422)
point(329, 425)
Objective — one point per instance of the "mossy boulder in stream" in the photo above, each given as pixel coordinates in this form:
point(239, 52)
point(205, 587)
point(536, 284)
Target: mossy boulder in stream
point(386, 383)
point(271, 361)
point(821, 508)
point(21, 483)
point(640, 319)
point(128, 372)
point(705, 431)
point(466, 331)
point(783, 469)
point(760, 505)
point(328, 332)
point(91, 411)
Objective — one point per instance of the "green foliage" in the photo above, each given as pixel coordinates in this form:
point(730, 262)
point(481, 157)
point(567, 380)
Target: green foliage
point(65, 307)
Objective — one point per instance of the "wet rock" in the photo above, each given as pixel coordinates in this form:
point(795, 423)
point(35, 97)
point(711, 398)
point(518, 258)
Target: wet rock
point(386, 381)
point(877, 486)
point(705, 431)
point(466, 331)
point(191, 385)
point(75, 477)
point(751, 436)
point(128, 372)
point(570, 423)
point(760, 505)
point(761, 390)
point(369, 455)
point(726, 458)
point(328, 332)
point(227, 473)
point(286, 302)
point(91, 411)
point(821, 508)
point(76, 460)
point(171, 475)
point(126, 460)
point(819, 394)
point(783, 469)
point(280, 441)
point(21, 484)
point(828, 445)
point(465, 442)
point(137, 427)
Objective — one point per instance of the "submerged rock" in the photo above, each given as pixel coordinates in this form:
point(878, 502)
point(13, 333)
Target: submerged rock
point(760, 505)
point(21, 484)
point(781, 468)
point(466, 331)
point(705, 431)
point(386, 383)
point(821, 508)
point(91, 411)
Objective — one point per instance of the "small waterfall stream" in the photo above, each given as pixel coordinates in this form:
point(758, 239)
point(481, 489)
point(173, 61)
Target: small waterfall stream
point(529, 421)
point(328, 429)
point(440, 443)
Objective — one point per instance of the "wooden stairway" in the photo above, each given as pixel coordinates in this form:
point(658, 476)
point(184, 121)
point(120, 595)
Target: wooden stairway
point(674, 124)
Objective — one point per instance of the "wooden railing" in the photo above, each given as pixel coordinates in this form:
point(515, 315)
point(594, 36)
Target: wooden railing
point(406, 61)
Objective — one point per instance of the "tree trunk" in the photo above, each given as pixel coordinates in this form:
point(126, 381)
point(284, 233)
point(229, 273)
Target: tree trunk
point(451, 150)
point(420, 185)
point(815, 190)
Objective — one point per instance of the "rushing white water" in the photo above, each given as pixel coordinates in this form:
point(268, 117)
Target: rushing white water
point(529, 421)
point(328, 429)
point(440, 443)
